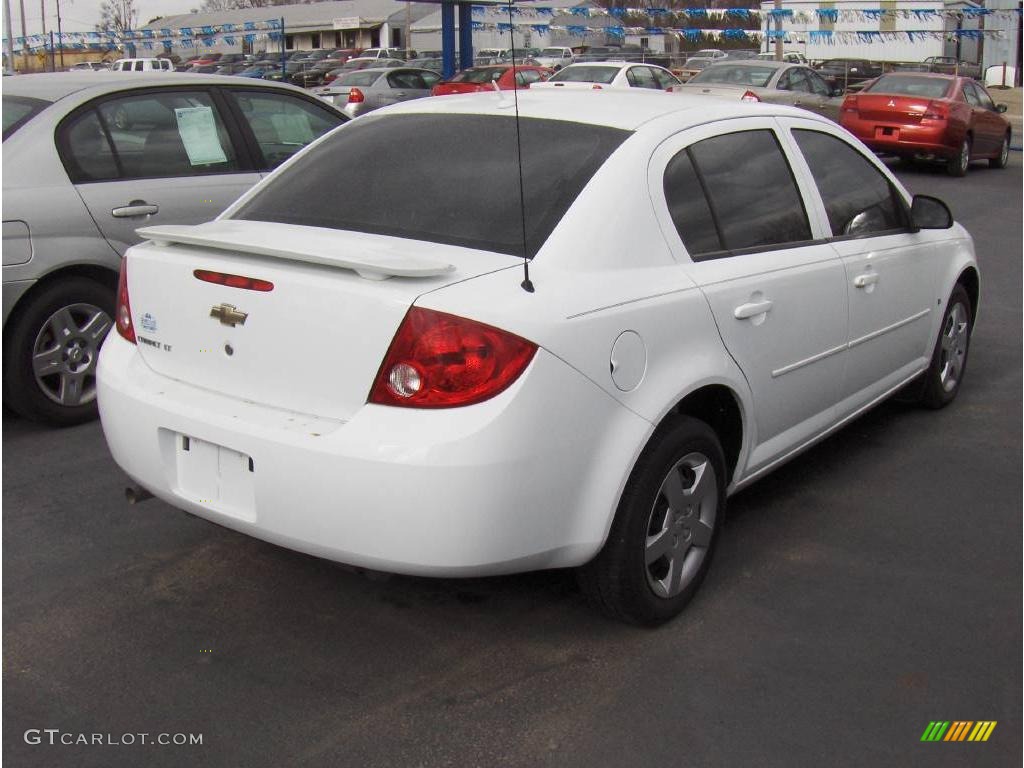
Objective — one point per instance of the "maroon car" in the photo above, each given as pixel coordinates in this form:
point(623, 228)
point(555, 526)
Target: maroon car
point(924, 116)
point(477, 79)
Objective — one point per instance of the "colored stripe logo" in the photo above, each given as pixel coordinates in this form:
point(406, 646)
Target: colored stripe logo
point(958, 730)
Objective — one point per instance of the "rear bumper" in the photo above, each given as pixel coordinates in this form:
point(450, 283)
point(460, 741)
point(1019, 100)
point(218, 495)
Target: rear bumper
point(901, 139)
point(527, 480)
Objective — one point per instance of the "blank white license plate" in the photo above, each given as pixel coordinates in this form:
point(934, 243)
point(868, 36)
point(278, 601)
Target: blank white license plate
point(215, 476)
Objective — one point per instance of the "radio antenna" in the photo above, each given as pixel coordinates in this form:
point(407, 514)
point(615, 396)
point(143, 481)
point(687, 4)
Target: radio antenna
point(527, 284)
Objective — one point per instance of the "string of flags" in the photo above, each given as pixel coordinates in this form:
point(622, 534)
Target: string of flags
point(618, 23)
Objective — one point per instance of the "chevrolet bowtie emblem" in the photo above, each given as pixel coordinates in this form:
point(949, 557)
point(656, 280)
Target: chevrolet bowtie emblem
point(228, 315)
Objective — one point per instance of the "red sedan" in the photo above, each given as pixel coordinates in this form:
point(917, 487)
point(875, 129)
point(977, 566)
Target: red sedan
point(923, 116)
point(477, 79)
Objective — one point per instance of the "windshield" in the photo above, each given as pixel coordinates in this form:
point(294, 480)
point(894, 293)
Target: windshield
point(696, 63)
point(481, 75)
point(18, 110)
point(735, 74)
point(582, 73)
point(904, 85)
point(556, 52)
point(426, 196)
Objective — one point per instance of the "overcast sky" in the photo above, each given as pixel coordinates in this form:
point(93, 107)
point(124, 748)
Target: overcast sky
point(83, 15)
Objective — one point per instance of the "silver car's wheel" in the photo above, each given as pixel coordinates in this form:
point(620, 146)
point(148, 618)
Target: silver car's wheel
point(51, 347)
point(953, 346)
point(662, 538)
point(65, 353)
point(945, 374)
point(681, 525)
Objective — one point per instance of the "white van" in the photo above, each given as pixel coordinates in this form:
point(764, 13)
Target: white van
point(142, 65)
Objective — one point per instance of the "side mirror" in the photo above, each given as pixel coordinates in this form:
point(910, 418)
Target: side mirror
point(1000, 108)
point(928, 212)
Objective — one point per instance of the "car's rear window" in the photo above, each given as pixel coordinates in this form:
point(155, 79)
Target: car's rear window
point(18, 110)
point(460, 185)
point(480, 75)
point(736, 74)
point(584, 73)
point(358, 78)
point(911, 85)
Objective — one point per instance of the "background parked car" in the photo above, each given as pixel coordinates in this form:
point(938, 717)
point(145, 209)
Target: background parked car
point(930, 117)
point(790, 57)
point(770, 81)
point(142, 65)
point(554, 57)
point(693, 66)
point(598, 75)
point(89, 159)
point(845, 73)
point(505, 76)
point(357, 93)
point(950, 65)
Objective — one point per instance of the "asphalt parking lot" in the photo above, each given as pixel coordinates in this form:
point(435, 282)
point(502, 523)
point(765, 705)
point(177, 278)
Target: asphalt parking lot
point(869, 587)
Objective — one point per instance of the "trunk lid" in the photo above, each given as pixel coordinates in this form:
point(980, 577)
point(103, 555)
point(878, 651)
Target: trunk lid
point(714, 89)
point(891, 108)
point(314, 343)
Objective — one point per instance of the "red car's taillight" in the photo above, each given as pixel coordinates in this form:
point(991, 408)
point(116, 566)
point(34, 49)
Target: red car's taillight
point(437, 360)
point(850, 104)
point(355, 96)
point(749, 96)
point(124, 310)
point(936, 110)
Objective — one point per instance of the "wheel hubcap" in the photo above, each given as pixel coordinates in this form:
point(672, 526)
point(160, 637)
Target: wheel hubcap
point(65, 353)
point(1005, 153)
point(681, 525)
point(965, 156)
point(954, 347)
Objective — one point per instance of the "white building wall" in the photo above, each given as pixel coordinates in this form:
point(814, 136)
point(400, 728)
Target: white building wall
point(887, 50)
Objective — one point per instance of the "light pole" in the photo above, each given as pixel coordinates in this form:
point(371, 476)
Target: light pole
point(9, 42)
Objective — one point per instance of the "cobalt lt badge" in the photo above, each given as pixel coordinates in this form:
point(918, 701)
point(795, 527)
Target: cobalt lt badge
point(228, 314)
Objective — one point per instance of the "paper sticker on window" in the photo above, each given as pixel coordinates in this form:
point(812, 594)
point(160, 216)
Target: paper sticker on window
point(292, 128)
point(198, 132)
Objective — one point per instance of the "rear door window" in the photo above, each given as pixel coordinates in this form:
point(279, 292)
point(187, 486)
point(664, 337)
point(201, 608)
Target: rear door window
point(736, 213)
point(151, 135)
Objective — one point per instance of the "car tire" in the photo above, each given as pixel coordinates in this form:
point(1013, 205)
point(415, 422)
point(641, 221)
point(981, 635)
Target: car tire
point(1003, 157)
point(68, 319)
point(946, 371)
point(958, 165)
point(656, 556)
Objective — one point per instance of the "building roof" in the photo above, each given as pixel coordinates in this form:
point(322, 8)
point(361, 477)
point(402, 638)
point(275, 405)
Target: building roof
point(303, 16)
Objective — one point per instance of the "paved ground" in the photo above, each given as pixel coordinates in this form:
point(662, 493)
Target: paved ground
point(869, 587)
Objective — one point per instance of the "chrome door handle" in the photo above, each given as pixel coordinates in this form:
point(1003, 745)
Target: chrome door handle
point(135, 208)
point(753, 309)
point(868, 278)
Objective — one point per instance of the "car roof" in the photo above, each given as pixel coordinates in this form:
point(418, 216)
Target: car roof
point(53, 86)
point(626, 109)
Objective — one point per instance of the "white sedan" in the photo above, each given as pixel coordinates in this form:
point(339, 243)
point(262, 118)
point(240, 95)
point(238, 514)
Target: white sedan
point(384, 385)
point(601, 75)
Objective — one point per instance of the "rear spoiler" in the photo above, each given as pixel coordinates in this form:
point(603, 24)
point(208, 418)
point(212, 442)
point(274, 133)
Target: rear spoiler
point(366, 255)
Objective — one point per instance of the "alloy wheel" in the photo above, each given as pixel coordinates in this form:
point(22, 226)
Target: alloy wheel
point(66, 351)
point(954, 346)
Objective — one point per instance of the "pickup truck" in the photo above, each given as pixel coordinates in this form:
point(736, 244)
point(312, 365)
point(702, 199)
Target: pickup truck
point(948, 65)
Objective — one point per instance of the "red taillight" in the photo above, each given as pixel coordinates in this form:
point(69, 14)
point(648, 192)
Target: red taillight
point(355, 96)
point(124, 309)
point(437, 360)
point(850, 104)
point(233, 281)
point(749, 96)
point(936, 110)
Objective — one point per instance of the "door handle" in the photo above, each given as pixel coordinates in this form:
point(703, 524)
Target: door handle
point(135, 208)
point(399, 93)
point(868, 278)
point(753, 309)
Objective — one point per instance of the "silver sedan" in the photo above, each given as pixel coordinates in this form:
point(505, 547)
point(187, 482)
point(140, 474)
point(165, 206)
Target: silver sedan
point(89, 158)
point(770, 81)
point(366, 90)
